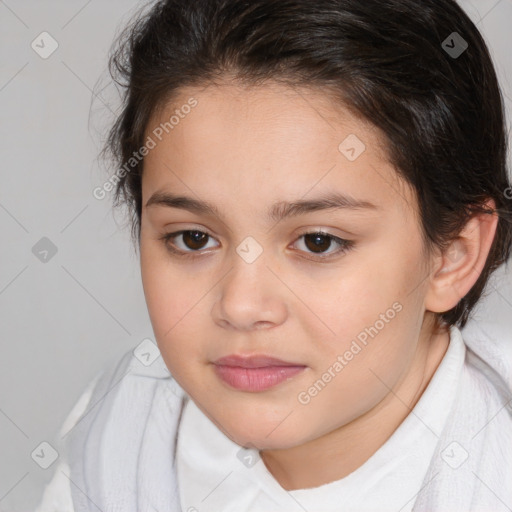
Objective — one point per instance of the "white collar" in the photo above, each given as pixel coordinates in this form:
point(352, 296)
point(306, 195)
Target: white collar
point(214, 473)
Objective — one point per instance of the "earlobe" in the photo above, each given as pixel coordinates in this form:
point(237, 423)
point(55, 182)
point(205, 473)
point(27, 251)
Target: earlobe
point(461, 264)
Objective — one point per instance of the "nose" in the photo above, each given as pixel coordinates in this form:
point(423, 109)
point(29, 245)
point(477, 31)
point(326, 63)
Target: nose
point(251, 297)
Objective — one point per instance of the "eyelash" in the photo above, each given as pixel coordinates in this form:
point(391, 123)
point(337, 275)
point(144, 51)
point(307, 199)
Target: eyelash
point(346, 245)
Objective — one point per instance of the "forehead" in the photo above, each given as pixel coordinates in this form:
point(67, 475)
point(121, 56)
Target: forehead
point(273, 141)
point(269, 108)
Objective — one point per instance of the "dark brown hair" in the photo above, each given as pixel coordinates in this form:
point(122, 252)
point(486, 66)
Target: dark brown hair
point(388, 61)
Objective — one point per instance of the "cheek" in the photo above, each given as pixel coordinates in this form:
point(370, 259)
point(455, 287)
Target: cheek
point(163, 283)
point(171, 305)
point(358, 297)
point(364, 371)
point(376, 318)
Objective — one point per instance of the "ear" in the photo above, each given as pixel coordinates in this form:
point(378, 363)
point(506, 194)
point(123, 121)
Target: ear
point(458, 268)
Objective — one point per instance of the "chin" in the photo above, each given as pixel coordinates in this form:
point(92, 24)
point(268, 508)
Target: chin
point(263, 436)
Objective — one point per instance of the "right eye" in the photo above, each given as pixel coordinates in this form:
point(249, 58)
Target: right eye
point(193, 239)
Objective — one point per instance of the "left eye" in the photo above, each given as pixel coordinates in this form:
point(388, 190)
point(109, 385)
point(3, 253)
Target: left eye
point(195, 240)
point(319, 240)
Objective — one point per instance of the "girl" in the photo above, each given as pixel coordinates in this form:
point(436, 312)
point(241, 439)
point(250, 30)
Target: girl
point(319, 194)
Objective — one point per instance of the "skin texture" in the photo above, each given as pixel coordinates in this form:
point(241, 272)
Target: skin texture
point(242, 149)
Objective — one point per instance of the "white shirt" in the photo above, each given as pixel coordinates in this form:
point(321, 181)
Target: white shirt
point(215, 474)
point(212, 475)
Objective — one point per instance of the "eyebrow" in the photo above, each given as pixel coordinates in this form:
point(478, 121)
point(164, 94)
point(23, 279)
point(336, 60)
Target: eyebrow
point(277, 212)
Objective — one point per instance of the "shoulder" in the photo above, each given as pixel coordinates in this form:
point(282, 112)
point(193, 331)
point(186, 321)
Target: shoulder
point(104, 391)
point(491, 391)
point(486, 398)
point(56, 496)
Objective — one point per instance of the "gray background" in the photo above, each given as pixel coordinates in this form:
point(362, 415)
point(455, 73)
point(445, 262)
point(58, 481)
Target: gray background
point(63, 320)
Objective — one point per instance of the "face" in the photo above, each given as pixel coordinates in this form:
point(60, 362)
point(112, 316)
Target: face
point(337, 293)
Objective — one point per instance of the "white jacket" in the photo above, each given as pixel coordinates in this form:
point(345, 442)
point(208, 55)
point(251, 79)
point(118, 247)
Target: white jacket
point(115, 458)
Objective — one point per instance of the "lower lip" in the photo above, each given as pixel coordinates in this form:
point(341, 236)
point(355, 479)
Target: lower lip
point(256, 379)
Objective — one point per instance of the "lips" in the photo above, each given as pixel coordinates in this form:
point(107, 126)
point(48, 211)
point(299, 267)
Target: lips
point(256, 361)
point(255, 373)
